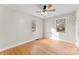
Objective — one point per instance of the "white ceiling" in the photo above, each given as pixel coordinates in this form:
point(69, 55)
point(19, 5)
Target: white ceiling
point(32, 8)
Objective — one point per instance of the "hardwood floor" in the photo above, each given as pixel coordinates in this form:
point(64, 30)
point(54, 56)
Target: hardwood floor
point(43, 47)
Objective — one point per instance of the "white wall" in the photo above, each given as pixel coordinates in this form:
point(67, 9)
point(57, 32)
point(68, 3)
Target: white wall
point(16, 27)
point(77, 28)
point(68, 35)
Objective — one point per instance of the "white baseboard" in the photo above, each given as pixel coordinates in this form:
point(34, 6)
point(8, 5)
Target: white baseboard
point(75, 43)
point(33, 40)
point(17, 45)
point(63, 40)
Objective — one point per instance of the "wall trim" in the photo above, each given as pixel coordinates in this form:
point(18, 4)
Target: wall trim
point(13, 46)
point(75, 43)
point(62, 40)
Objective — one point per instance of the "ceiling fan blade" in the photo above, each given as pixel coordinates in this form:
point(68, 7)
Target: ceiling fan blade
point(49, 6)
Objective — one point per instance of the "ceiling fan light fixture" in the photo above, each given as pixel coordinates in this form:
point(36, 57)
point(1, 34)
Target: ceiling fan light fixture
point(45, 9)
point(44, 13)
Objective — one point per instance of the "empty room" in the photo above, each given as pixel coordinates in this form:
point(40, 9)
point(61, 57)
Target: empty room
point(39, 29)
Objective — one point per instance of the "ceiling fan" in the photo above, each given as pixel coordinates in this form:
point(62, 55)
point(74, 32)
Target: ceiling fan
point(46, 8)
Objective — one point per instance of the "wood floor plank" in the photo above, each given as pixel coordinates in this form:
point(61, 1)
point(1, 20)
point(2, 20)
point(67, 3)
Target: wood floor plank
point(43, 47)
